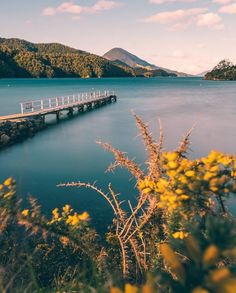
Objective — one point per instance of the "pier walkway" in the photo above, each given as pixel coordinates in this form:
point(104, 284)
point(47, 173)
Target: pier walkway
point(80, 102)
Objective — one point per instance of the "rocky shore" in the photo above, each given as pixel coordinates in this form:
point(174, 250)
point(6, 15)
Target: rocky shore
point(15, 131)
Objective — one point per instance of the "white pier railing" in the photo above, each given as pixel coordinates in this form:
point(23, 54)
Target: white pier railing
point(63, 102)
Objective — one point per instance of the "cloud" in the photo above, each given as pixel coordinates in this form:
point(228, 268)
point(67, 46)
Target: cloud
point(72, 8)
point(49, 11)
point(69, 7)
point(180, 19)
point(105, 5)
point(229, 9)
point(222, 1)
point(177, 16)
point(168, 1)
point(177, 19)
point(210, 20)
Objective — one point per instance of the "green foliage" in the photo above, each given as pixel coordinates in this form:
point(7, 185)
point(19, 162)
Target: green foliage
point(225, 70)
point(177, 238)
point(19, 58)
point(206, 258)
point(139, 71)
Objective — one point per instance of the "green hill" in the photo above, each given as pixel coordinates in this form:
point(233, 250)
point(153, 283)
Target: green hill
point(19, 58)
point(225, 70)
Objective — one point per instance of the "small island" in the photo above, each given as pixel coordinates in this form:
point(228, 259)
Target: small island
point(225, 70)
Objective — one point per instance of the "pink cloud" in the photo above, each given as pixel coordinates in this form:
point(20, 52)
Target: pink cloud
point(222, 1)
point(69, 7)
point(178, 19)
point(167, 1)
point(179, 16)
point(49, 11)
point(72, 8)
point(106, 5)
point(229, 9)
point(181, 19)
point(212, 20)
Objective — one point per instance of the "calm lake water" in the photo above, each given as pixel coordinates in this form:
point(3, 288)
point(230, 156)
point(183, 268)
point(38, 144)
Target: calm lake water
point(68, 151)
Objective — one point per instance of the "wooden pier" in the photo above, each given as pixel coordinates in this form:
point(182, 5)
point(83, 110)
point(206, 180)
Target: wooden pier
point(79, 102)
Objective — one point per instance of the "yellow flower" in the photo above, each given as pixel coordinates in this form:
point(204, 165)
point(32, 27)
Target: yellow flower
point(142, 184)
point(219, 274)
point(173, 165)
point(180, 235)
point(210, 255)
point(228, 285)
point(66, 208)
point(185, 163)
point(183, 179)
point(176, 235)
point(233, 173)
point(172, 173)
point(25, 213)
point(55, 213)
point(83, 216)
point(226, 161)
point(73, 220)
point(130, 289)
point(214, 188)
point(147, 190)
point(184, 197)
point(8, 181)
point(171, 156)
point(215, 168)
point(179, 191)
point(190, 173)
point(212, 156)
point(208, 175)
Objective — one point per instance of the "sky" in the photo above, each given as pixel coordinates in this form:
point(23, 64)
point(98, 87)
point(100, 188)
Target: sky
point(185, 35)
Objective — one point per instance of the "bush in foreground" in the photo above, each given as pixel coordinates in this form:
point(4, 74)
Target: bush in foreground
point(177, 237)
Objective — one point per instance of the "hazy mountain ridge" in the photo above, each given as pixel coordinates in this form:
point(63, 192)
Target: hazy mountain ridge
point(202, 74)
point(134, 61)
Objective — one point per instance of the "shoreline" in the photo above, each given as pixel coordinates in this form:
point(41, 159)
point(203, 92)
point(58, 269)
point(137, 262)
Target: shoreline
point(14, 131)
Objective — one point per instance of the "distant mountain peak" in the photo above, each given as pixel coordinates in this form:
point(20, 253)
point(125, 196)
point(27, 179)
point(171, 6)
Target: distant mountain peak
point(127, 57)
point(122, 55)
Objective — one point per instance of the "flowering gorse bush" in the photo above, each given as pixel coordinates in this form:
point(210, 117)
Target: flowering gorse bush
point(176, 236)
point(191, 188)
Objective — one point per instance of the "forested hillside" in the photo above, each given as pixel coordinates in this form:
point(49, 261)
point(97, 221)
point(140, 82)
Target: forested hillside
point(225, 70)
point(19, 58)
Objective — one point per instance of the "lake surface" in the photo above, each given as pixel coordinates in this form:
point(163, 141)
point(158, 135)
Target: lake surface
point(68, 151)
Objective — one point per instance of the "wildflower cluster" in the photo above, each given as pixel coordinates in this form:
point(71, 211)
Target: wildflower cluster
point(65, 222)
point(68, 217)
point(173, 232)
point(198, 264)
point(192, 182)
point(7, 189)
